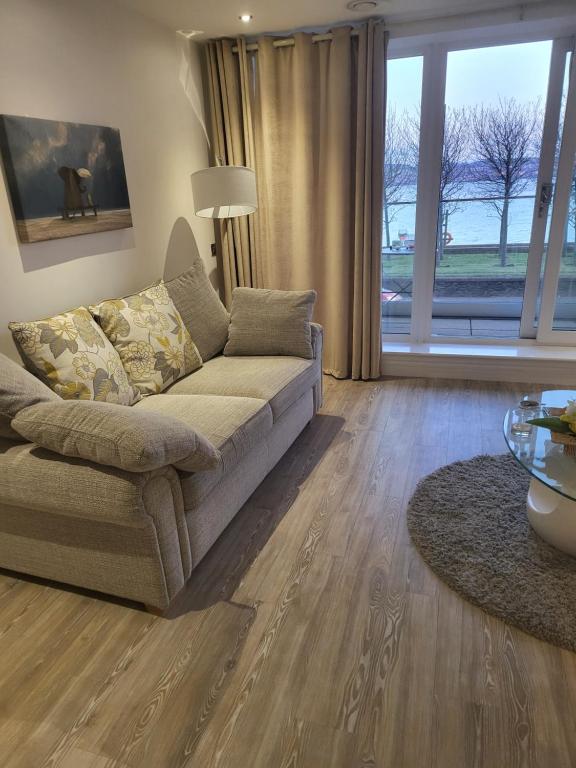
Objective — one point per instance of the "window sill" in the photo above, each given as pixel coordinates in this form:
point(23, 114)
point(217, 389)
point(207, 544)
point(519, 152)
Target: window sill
point(486, 362)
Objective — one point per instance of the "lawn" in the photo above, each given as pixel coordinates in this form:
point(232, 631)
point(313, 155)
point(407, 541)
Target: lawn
point(469, 265)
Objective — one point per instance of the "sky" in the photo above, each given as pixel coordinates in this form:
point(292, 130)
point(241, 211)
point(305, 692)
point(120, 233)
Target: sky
point(475, 76)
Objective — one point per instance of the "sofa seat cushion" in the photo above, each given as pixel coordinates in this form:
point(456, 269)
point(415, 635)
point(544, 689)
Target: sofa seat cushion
point(234, 425)
point(279, 381)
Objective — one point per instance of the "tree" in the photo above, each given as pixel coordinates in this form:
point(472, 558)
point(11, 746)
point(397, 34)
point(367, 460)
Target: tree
point(504, 139)
point(452, 173)
point(397, 170)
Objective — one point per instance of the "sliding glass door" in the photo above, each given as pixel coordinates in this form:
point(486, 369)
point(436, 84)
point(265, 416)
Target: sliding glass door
point(557, 322)
point(401, 155)
point(473, 173)
point(494, 114)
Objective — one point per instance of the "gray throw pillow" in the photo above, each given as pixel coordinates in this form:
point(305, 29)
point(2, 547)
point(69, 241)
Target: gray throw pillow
point(266, 322)
point(204, 315)
point(18, 389)
point(129, 439)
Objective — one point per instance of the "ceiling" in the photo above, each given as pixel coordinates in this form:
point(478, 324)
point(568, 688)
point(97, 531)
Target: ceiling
point(216, 18)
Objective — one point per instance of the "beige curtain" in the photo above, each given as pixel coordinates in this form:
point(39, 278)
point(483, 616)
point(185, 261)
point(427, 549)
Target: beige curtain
point(231, 128)
point(317, 111)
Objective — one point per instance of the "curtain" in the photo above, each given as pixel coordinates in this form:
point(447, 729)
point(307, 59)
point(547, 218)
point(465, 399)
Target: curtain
point(316, 113)
point(231, 128)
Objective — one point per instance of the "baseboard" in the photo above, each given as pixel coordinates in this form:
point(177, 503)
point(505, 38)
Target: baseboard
point(509, 365)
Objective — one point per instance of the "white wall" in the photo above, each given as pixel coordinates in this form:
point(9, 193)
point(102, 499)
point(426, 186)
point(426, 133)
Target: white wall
point(97, 62)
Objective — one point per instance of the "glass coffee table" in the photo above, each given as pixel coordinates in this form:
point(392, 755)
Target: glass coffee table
point(552, 495)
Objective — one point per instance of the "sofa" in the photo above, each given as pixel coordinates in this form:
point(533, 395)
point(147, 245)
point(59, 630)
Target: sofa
point(139, 535)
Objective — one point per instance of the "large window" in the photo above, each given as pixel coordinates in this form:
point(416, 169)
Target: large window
point(495, 99)
point(400, 191)
point(496, 123)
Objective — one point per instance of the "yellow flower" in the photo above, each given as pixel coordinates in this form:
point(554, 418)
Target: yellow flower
point(159, 294)
point(84, 367)
point(152, 320)
point(139, 359)
point(73, 390)
point(570, 419)
point(113, 367)
point(174, 357)
point(63, 328)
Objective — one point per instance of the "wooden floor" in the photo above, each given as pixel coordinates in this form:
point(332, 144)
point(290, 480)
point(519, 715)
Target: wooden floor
point(312, 636)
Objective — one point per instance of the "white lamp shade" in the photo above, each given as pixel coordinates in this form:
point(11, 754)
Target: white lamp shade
point(224, 191)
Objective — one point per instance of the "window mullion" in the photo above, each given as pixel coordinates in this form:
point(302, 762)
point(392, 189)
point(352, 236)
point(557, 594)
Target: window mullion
point(429, 169)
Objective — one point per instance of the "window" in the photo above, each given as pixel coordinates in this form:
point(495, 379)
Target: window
point(400, 191)
point(484, 140)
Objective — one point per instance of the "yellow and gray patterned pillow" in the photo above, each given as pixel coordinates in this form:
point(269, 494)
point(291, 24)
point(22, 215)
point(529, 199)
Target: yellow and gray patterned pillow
point(71, 354)
point(148, 333)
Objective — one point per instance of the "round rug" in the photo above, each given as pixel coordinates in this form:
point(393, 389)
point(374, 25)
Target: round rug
point(468, 521)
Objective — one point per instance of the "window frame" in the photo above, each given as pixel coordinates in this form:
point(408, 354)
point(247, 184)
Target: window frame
point(435, 58)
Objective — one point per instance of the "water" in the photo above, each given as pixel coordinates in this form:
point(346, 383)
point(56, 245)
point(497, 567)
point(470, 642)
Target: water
point(473, 223)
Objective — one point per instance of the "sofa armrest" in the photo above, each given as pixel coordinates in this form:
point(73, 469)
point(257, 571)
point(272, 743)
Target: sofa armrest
point(35, 478)
point(37, 483)
point(317, 340)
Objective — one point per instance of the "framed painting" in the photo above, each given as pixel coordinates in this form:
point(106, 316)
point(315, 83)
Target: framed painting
point(64, 179)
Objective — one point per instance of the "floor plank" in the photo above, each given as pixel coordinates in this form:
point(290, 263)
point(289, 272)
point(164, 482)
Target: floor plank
point(311, 636)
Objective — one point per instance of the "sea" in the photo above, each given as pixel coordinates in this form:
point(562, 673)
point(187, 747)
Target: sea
point(471, 223)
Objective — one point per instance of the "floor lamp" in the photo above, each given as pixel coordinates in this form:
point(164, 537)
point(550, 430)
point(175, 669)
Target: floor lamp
point(224, 192)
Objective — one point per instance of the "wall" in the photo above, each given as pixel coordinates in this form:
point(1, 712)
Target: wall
point(97, 62)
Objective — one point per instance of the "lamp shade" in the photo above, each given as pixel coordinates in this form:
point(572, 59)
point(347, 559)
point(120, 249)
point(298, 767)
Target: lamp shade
point(224, 191)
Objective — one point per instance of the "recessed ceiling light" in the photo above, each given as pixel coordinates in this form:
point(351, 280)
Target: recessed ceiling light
point(188, 33)
point(363, 6)
point(246, 17)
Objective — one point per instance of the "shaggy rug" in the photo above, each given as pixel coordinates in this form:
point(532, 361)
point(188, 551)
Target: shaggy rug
point(468, 521)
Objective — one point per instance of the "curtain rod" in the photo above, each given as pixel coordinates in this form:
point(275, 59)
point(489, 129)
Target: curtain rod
point(521, 9)
point(284, 42)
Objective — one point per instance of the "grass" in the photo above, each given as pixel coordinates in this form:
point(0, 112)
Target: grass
point(469, 265)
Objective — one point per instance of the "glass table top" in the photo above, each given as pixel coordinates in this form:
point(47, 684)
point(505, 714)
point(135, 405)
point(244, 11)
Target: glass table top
point(535, 451)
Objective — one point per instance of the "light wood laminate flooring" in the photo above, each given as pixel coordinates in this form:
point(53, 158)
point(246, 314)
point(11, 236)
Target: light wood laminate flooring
point(312, 635)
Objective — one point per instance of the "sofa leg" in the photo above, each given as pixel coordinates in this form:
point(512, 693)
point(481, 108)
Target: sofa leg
point(155, 611)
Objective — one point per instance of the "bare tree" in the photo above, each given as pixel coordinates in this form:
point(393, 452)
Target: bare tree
point(397, 170)
point(504, 139)
point(452, 174)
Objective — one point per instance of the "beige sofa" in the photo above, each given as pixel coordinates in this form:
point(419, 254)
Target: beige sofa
point(140, 535)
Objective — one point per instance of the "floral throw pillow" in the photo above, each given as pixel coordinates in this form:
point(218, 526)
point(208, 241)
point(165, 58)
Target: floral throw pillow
point(73, 357)
point(150, 336)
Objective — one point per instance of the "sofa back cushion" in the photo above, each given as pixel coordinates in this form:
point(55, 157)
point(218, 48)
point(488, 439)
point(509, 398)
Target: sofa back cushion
point(203, 313)
point(266, 322)
point(71, 354)
point(18, 390)
point(127, 438)
point(150, 336)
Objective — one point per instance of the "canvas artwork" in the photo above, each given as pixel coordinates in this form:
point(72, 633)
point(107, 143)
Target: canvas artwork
point(64, 179)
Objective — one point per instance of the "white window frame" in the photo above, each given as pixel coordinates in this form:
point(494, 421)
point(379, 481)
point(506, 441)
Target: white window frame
point(435, 56)
point(528, 323)
point(546, 332)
